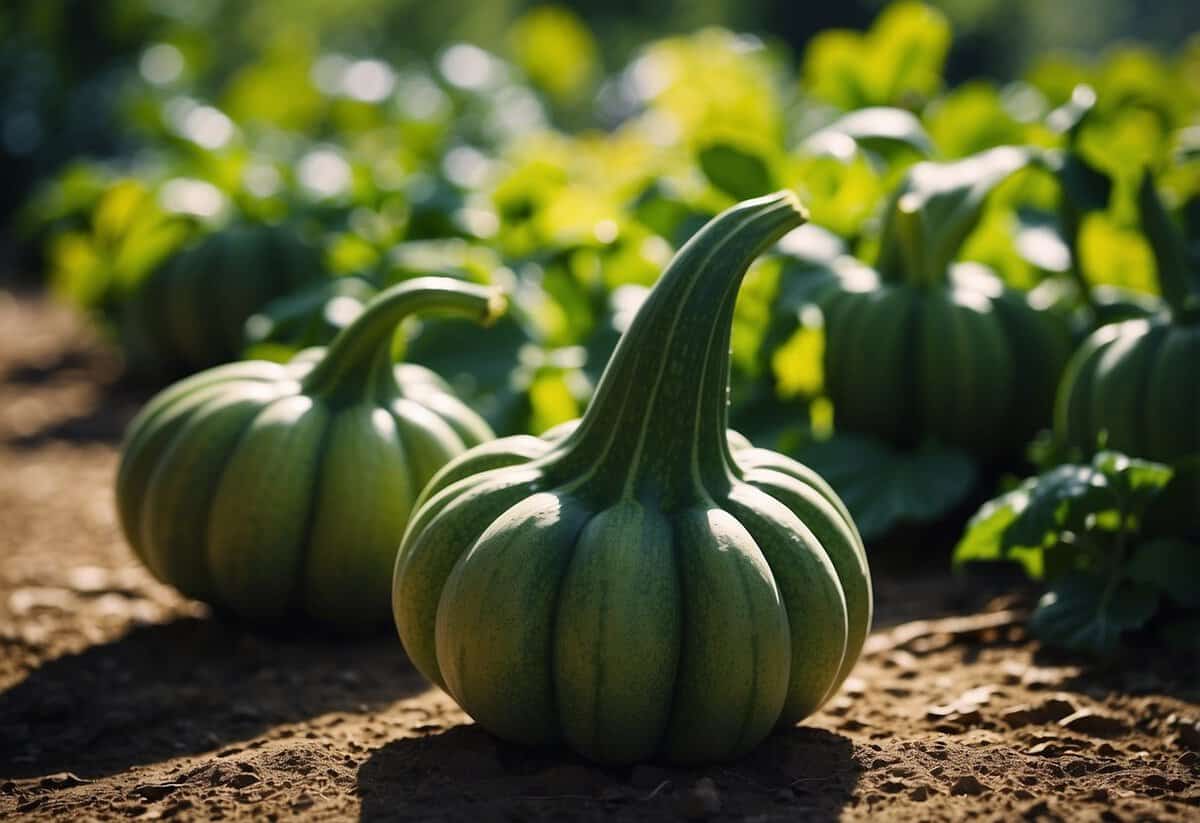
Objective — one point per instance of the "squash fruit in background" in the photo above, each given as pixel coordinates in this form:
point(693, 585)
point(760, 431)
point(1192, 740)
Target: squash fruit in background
point(641, 583)
point(1135, 386)
point(270, 490)
point(190, 312)
point(920, 348)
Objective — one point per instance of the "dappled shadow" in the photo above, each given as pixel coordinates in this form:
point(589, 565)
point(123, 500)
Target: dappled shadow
point(186, 687)
point(464, 773)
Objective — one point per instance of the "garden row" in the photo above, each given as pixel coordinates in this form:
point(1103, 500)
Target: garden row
point(995, 282)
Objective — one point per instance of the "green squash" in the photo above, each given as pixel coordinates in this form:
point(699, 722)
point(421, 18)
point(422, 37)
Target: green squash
point(190, 312)
point(923, 349)
point(641, 583)
point(275, 490)
point(1134, 386)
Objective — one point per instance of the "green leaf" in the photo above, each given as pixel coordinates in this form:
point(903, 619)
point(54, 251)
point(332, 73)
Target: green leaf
point(798, 364)
point(1136, 481)
point(899, 59)
point(736, 171)
point(1171, 566)
point(984, 537)
point(1081, 613)
point(877, 128)
point(1056, 501)
point(556, 50)
point(972, 118)
point(884, 487)
point(1085, 187)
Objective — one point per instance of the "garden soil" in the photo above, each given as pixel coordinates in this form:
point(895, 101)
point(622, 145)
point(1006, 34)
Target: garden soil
point(120, 700)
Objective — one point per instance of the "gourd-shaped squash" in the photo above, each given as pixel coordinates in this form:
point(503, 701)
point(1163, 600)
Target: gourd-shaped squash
point(921, 348)
point(1135, 386)
point(275, 490)
point(191, 311)
point(641, 583)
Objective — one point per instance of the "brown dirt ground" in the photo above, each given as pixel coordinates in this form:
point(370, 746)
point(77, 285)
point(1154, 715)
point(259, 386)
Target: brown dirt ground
point(119, 699)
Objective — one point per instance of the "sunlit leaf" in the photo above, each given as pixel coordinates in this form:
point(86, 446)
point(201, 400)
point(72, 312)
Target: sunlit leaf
point(970, 119)
point(878, 128)
point(739, 173)
point(556, 50)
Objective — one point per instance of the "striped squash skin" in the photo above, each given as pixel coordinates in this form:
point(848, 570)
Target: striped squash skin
point(190, 313)
point(642, 584)
point(272, 491)
point(1135, 386)
point(965, 362)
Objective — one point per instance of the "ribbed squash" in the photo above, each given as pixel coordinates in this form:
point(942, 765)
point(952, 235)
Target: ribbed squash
point(1135, 386)
point(190, 313)
point(923, 349)
point(641, 583)
point(274, 490)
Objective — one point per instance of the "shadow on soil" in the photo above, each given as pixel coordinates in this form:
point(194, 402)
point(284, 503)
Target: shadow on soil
point(186, 687)
point(463, 772)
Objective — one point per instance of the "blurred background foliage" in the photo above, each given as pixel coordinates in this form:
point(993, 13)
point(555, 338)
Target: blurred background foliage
point(566, 150)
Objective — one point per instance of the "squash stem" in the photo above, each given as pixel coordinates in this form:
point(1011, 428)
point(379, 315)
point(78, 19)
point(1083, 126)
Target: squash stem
point(354, 353)
point(1178, 280)
point(657, 422)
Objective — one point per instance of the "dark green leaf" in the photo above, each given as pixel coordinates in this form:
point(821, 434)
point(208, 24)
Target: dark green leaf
point(1081, 613)
point(1172, 566)
point(735, 171)
point(884, 487)
point(1085, 187)
point(1054, 501)
point(1137, 481)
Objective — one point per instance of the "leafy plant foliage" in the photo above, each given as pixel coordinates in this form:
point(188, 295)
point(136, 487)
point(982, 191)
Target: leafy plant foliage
point(1080, 528)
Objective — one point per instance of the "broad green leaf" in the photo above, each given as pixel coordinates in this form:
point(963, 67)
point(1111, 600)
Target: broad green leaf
point(1082, 613)
point(971, 119)
point(1170, 565)
point(1056, 501)
point(1137, 482)
point(898, 61)
point(877, 128)
point(884, 487)
point(1114, 255)
point(798, 364)
point(983, 540)
point(842, 196)
point(311, 317)
point(1085, 187)
point(556, 50)
point(736, 171)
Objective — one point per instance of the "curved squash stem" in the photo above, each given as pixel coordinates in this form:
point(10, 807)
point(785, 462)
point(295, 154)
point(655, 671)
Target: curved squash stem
point(656, 425)
point(353, 354)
